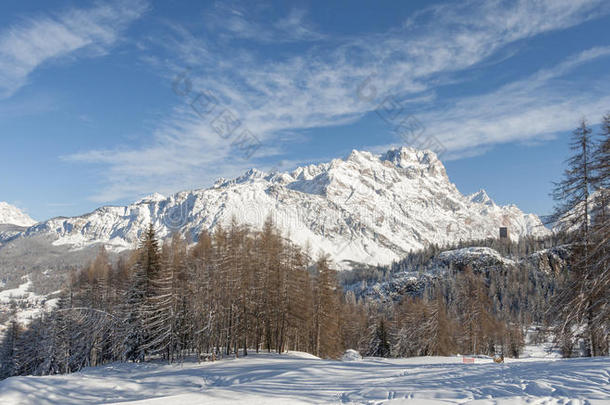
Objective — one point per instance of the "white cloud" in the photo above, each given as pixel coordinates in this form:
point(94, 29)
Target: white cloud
point(26, 45)
point(320, 87)
point(526, 110)
point(232, 21)
point(185, 154)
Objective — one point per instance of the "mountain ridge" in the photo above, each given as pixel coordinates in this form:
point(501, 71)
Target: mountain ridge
point(365, 208)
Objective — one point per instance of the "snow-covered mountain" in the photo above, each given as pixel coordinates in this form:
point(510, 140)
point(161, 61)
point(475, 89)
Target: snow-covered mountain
point(365, 208)
point(571, 220)
point(11, 215)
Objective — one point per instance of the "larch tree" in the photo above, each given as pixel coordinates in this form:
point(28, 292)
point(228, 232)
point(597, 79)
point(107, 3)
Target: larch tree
point(437, 329)
point(477, 321)
point(600, 235)
point(326, 310)
point(573, 303)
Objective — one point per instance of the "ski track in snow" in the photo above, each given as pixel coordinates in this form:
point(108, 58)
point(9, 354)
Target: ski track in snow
point(297, 378)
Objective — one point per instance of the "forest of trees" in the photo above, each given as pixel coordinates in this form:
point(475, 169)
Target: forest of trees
point(419, 261)
point(233, 290)
point(581, 308)
point(238, 290)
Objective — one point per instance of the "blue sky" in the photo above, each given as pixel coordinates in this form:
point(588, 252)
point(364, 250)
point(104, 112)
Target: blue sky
point(105, 102)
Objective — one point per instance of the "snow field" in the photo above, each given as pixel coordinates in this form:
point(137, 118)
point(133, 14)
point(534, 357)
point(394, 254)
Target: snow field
point(297, 378)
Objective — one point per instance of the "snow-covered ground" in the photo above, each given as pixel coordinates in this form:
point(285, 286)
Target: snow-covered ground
point(29, 304)
point(298, 378)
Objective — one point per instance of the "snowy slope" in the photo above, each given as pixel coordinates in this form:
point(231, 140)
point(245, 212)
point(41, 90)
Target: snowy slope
point(29, 304)
point(478, 257)
point(12, 215)
point(364, 208)
point(295, 379)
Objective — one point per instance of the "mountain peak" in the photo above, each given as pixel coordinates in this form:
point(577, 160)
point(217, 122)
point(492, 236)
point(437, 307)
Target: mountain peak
point(481, 197)
point(251, 174)
point(359, 156)
point(409, 158)
point(152, 198)
point(9, 214)
point(405, 155)
point(365, 208)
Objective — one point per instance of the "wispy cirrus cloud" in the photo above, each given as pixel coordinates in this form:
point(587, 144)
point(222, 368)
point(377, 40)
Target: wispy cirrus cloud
point(529, 110)
point(28, 44)
point(234, 21)
point(526, 110)
point(185, 153)
point(317, 86)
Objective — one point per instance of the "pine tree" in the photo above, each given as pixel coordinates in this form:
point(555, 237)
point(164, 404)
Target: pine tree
point(573, 303)
point(134, 333)
point(8, 349)
point(63, 335)
point(379, 345)
point(138, 317)
point(160, 310)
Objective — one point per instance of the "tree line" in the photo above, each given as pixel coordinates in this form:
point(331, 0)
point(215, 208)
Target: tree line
point(237, 290)
point(465, 311)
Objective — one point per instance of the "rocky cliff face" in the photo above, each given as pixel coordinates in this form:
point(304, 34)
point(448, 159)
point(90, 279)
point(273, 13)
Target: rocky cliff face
point(365, 208)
